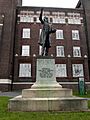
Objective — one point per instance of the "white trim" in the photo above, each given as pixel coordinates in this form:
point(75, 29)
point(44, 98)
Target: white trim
point(87, 82)
point(21, 83)
point(5, 81)
point(72, 83)
point(69, 83)
point(8, 81)
point(1, 24)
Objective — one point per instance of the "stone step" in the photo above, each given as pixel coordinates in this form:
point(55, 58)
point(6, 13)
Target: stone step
point(48, 104)
point(46, 93)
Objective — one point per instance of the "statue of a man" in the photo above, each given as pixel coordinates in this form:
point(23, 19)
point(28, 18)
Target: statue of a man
point(45, 34)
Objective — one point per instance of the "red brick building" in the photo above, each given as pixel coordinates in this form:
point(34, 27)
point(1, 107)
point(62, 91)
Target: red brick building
point(85, 5)
point(7, 28)
point(18, 56)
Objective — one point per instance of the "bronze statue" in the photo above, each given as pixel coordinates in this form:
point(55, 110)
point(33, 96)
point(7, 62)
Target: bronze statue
point(45, 34)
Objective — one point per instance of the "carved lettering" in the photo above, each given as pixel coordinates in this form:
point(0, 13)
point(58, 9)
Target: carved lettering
point(46, 73)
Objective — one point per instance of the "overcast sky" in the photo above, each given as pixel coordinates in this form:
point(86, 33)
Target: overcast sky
point(51, 3)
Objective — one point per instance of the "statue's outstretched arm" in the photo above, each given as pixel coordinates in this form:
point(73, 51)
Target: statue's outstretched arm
point(40, 17)
point(52, 31)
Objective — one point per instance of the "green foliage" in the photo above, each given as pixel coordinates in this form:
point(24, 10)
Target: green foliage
point(6, 115)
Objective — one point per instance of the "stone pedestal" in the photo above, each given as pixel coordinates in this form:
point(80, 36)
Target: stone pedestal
point(46, 94)
point(45, 73)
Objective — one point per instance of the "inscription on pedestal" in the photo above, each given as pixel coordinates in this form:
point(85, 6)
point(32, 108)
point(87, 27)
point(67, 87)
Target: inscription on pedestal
point(46, 69)
point(46, 73)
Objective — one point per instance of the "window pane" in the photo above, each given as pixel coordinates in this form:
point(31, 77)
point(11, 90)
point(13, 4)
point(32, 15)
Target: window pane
point(76, 52)
point(60, 51)
point(26, 33)
point(77, 70)
point(58, 17)
point(26, 17)
point(62, 20)
point(74, 18)
point(70, 21)
point(75, 34)
point(59, 34)
point(61, 70)
point(25, 50)
point(25, 70)
point(55, 19)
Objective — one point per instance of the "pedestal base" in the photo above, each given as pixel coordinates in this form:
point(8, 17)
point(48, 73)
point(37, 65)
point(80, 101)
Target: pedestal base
point(48, 104)
point(46, 94)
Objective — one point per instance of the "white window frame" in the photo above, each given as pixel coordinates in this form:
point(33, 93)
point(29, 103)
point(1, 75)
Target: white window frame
point(77, 70)
point(26, 16)
point(26, 33)
point(70, 20)
point(58, 17)
point(59, 34)
point(74, 18)
point(25, 50)
point(61, 70)
point(77, 20)
point(55, 19)
point(22, 18)
point(60, 51)
point(76, 51)
point(25, 70)
point(75, 35)
point(62, 20)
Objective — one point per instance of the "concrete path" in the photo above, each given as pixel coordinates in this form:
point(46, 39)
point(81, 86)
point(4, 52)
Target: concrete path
point(11, 94)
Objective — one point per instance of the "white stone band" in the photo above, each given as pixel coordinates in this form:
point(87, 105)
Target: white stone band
point(5, 81)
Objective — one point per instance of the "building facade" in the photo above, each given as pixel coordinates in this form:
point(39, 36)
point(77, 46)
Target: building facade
point(7, 28)
point(68, 46)
point(84, 4)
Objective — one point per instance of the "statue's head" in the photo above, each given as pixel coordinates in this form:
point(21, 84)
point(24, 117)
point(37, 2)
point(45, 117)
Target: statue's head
point(46, 19)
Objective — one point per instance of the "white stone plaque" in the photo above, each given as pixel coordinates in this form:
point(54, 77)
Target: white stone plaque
point(45, 69)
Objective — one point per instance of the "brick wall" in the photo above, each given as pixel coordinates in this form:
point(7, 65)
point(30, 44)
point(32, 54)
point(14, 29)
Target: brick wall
point(8, 10)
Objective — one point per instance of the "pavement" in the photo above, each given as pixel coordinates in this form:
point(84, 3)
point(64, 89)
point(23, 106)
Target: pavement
point(15, 93)
point(11, 94)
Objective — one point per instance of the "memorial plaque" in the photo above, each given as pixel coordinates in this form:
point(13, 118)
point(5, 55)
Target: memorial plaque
point(45, 69)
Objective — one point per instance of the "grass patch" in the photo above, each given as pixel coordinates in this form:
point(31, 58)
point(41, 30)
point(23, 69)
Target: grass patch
point(89, 104)
point(87, 95)
point(6, 115)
